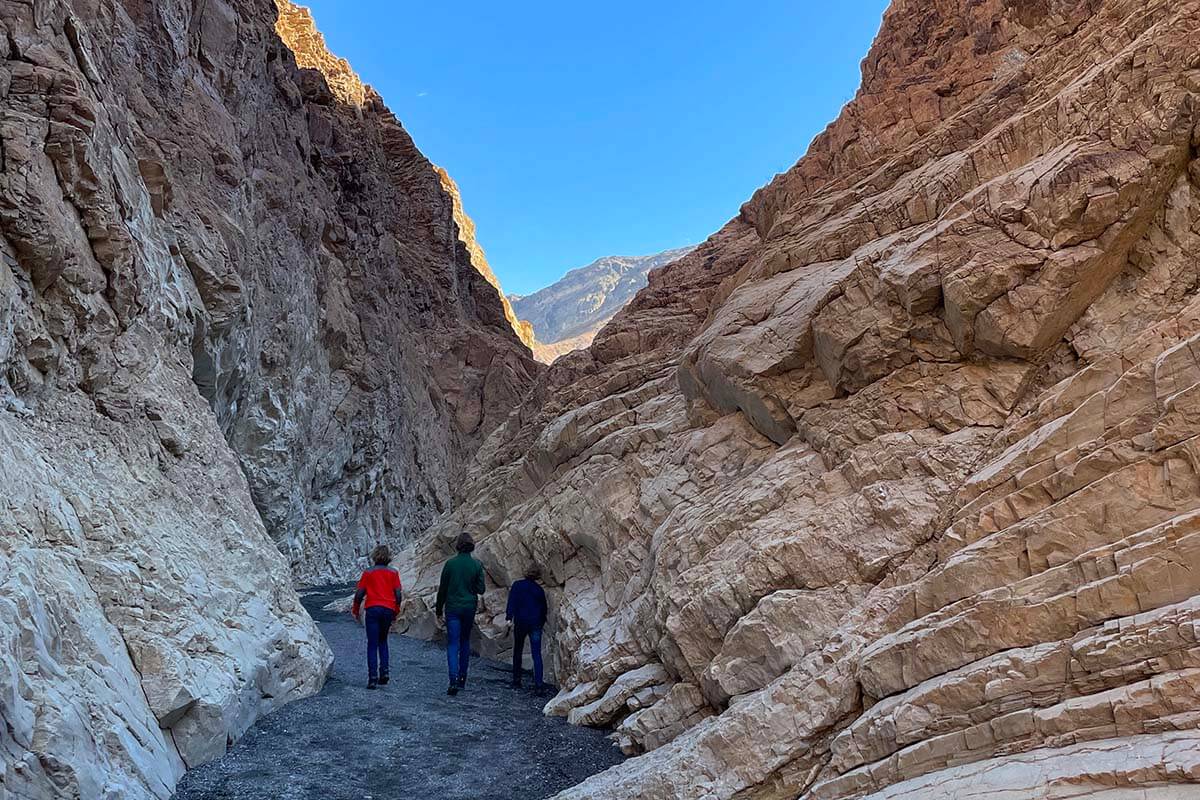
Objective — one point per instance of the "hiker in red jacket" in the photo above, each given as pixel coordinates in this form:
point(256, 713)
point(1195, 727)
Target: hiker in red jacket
point(379, 586)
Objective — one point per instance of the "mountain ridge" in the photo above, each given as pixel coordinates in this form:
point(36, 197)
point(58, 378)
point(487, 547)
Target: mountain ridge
point(568, 313)
point(243, 339)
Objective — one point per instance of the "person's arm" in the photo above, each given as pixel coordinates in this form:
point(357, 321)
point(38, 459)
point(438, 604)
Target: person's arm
point(542, 604)
point(359, 594)
point(441, 595)
point(508, 609)
point(399, 593)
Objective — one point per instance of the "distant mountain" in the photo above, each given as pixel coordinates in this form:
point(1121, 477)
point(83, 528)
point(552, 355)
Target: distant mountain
point(568, 313)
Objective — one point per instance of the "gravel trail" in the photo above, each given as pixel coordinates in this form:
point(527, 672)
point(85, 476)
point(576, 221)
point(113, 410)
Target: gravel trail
point(406, 741)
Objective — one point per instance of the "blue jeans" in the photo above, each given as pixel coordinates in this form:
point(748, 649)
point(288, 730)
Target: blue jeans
point(378, 620)
point(458, 641)
point(535, 648)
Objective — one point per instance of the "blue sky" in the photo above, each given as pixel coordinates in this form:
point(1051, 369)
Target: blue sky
point(579, 130)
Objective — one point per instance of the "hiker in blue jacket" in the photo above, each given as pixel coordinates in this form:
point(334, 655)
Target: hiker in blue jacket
point(527, 613)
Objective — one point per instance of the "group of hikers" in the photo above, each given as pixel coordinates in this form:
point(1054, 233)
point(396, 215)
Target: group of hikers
point(461, 584)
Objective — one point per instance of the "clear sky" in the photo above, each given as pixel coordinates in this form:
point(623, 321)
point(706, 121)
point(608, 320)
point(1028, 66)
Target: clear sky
point(582, 129)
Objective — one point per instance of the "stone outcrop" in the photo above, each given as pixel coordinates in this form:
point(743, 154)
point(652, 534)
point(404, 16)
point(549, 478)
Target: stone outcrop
point(235, 312)
point(568, 313)
point(889, 489)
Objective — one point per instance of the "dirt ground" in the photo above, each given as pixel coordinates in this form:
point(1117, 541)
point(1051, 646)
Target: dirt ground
point(408, 740)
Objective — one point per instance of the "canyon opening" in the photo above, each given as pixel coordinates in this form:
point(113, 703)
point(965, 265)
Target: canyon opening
point(883, 487)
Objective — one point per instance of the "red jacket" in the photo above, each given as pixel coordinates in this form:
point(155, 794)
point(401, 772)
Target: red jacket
point(379, 586)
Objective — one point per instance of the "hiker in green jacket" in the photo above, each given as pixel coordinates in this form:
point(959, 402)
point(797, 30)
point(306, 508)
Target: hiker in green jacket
point(458, 590)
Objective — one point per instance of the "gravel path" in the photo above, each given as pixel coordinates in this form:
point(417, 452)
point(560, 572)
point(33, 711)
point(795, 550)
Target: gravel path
point(407, 740)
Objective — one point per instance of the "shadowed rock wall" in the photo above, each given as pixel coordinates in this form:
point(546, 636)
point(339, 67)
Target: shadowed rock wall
point(236, 318)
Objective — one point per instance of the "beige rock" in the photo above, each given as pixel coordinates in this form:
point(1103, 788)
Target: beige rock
point(895, 476)
point(887, 490)
point(776, 635)
point(682, 706)
point(619, 697)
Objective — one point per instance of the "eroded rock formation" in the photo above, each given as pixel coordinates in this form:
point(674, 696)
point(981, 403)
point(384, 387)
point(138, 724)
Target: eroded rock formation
point(890, 488)
point(235, 312)
point(381, 372)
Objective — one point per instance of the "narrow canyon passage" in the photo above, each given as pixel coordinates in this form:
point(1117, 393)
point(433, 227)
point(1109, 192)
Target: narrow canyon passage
point(406, 741)
point(889, 489)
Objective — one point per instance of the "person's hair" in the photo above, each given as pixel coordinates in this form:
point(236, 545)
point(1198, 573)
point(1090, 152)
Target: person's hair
point(533, 572)
point(464, 543)
point(381, 555)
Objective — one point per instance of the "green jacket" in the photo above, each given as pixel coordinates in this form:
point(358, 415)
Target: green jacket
point(462, 580)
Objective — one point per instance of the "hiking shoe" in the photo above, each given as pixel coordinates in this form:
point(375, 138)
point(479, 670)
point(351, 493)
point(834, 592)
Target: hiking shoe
point(452, 689)
point(383, 679)
point(461, 682)
point(516, 684)
point(372, 683)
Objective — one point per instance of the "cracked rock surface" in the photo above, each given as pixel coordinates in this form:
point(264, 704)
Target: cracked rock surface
point(889, 489)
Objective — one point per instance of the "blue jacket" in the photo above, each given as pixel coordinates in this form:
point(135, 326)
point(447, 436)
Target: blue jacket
point(526, 604)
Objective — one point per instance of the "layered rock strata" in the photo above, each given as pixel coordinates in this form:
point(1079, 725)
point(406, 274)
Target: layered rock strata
point(888, 490)
point(235, 312)
point(382, 372)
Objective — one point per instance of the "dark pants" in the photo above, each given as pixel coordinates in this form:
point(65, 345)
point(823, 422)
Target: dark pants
point(535, 648)
point(458, 642)
point(378, 620)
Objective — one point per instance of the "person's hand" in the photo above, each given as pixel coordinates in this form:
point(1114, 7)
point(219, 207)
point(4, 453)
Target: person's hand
point(357, 616)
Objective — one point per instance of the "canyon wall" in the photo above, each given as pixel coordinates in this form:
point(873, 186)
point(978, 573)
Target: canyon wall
point(890, 489)
point(241, 340)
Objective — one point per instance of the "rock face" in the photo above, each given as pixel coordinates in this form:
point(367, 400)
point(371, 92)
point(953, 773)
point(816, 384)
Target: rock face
point(890, 488)
point(235, 313)
point(568, 313)
point(381, 372)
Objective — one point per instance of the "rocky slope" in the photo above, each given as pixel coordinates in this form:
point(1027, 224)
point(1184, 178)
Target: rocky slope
point(235, 312)
point(568, 313)
point(890, 488)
